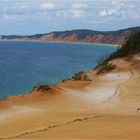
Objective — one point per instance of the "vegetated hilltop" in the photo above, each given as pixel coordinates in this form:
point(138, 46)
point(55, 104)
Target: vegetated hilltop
point(129, 48)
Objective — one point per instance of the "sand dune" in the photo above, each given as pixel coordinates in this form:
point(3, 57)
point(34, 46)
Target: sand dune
point(108, 107)
point(16, 110)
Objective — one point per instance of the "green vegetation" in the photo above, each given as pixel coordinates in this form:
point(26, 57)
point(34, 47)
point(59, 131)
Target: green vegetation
point(132, 46)
point(82, 76)
point(41, 87)
point(102, 61)
point(44, 87)
point(106, 68)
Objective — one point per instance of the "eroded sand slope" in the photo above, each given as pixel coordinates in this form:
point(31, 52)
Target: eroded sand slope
point(106, 107)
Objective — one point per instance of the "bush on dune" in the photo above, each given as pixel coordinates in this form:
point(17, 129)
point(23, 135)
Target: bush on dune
point(41, 87)
point(82, 76)
point(106, 68)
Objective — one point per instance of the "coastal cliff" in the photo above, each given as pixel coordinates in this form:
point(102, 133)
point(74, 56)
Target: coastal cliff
point(90, 105)
point(83, 36)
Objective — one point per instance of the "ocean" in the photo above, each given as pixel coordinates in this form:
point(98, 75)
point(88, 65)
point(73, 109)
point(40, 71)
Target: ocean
point(24, 64)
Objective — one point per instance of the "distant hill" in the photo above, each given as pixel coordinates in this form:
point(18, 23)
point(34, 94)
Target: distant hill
point(84, 36)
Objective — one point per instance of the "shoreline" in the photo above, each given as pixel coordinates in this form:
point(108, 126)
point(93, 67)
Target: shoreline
point(77, 108)
point(113, 45)
point(61, 81)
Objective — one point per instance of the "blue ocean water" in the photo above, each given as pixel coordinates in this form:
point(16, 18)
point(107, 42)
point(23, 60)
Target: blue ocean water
point(24, 64)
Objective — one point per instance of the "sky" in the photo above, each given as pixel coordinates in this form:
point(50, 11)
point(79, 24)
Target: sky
point(25, 17)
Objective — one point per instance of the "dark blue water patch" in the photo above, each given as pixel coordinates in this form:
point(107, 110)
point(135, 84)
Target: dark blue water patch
point(24, 64)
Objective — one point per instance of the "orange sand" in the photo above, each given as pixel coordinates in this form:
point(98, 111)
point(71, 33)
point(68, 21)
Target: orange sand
point(105, 108)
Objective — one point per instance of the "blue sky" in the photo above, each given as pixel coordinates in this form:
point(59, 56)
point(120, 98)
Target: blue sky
point(42, 16)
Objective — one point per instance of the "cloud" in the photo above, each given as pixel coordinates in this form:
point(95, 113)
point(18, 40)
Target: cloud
point(76, 14)
point(117, 10)
point(103, 13)
point(80, 5)
point(108, 13)
point(136, 16)
point(47, 6)
point(132, 6)
point(100, 11)
point(72, 14)
point(115, 2)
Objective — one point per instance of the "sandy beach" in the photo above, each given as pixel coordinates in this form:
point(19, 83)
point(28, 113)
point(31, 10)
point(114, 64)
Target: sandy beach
point(107, 107)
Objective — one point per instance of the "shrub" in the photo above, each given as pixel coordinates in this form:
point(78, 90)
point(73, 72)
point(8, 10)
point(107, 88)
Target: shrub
point(44, 87)
point(102, 61)
point(41, 87)
point(106, 68)
point(83, 76)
